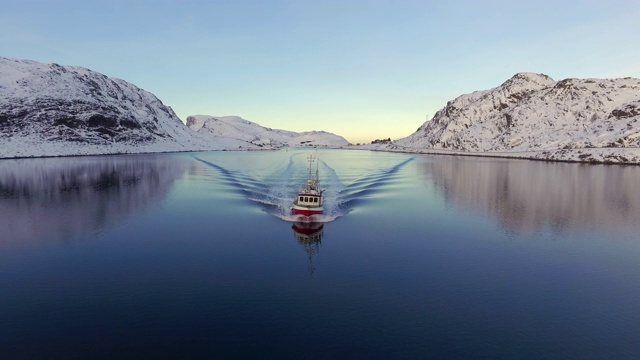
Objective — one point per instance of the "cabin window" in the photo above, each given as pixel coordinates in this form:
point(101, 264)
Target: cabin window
point(315, 200)
point(301, 198)
point(306, 199)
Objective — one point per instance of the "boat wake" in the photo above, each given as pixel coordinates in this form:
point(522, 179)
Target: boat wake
point(276, 191)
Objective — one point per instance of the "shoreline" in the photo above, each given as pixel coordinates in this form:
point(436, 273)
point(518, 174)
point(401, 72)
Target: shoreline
point(591, 156)
point(603, 156)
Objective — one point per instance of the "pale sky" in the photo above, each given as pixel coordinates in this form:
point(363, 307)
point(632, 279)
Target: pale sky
point(360, 69)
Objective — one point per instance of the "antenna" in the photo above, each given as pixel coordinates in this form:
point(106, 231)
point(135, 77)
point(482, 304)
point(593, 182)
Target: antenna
point(317, 176)
point(310, 157)
point(317, 164)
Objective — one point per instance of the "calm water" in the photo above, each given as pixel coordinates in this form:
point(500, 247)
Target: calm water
point(195, 256)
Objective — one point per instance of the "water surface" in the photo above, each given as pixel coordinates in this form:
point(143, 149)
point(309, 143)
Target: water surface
point(196, 255)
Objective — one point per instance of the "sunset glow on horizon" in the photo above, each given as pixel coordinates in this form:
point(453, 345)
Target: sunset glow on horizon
point(361, 69)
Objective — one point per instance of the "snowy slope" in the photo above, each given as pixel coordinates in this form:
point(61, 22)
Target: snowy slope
point(51, 110)
point(571, 119)
point(256, 136)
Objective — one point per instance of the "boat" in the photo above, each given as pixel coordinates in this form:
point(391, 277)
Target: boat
point(309, 201)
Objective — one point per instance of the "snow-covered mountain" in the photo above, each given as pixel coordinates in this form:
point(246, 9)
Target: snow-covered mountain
point(253, 136)
point(51, 110)
point(54, 110)
point(571, 119)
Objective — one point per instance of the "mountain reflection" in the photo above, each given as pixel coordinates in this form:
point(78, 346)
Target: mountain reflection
point(62, 198)
point(527, 196)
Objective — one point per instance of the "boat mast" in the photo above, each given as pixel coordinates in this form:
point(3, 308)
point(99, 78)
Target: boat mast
point(317, 176)
point(310, 176)
point(310, 157)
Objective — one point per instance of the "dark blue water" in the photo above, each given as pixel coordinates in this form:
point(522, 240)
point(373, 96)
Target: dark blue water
point(196, 256)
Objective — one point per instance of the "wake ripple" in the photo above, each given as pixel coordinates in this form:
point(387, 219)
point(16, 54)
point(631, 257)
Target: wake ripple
point(276, 192)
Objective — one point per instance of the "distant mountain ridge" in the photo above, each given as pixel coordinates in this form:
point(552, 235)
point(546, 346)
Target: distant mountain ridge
point(55, 110)
point(532, 112)
point(257, 136)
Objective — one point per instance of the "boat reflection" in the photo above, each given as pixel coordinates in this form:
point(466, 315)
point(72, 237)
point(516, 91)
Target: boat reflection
point(309, 235)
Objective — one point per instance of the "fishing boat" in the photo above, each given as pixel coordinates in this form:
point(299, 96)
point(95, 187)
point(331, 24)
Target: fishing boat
point(310, 198)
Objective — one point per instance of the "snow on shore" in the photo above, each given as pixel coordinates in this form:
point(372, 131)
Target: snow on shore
point(589, 155)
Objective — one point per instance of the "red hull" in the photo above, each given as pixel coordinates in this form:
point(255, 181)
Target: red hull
point(305, 212)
